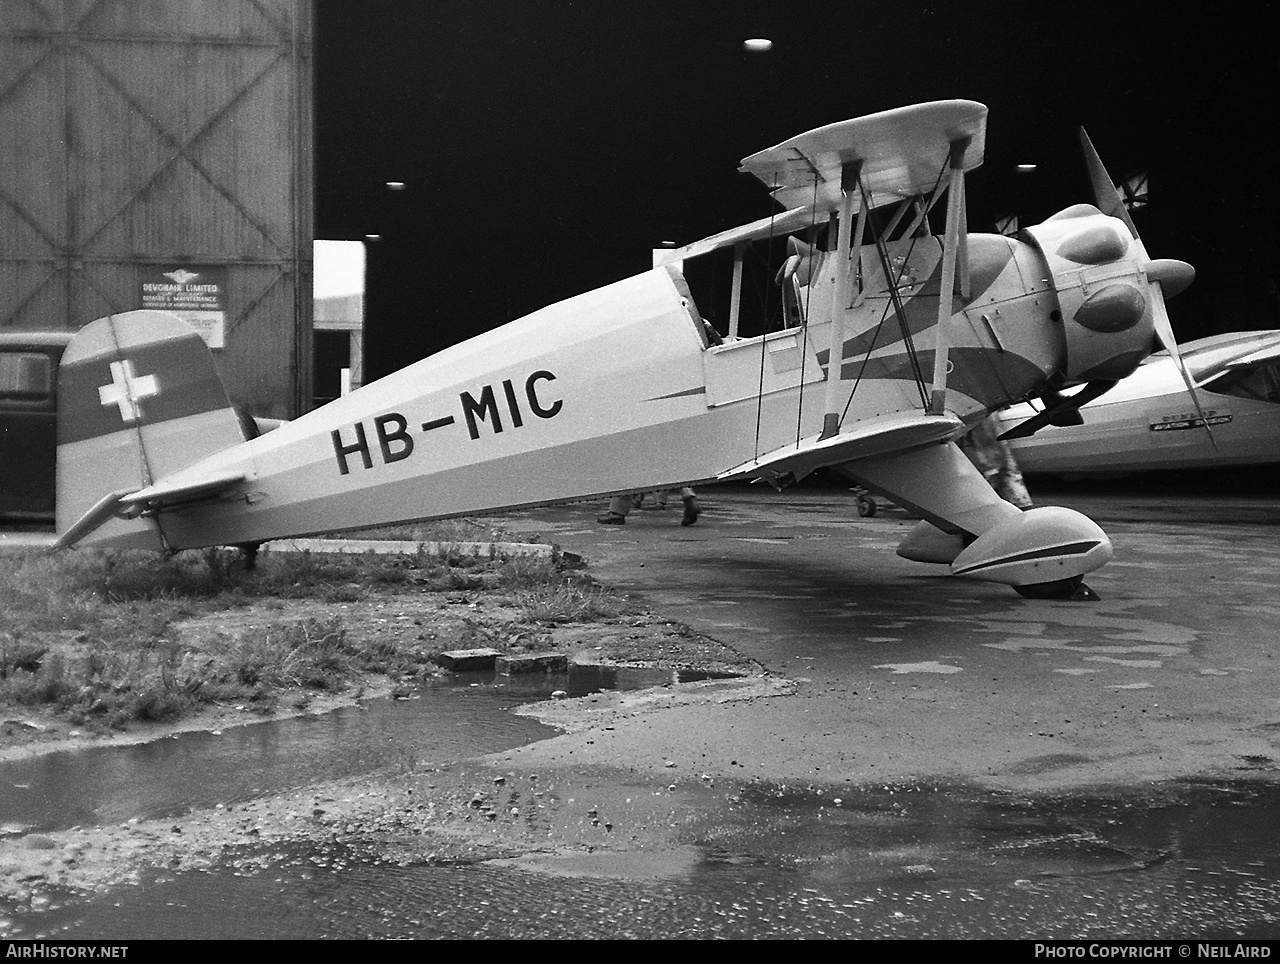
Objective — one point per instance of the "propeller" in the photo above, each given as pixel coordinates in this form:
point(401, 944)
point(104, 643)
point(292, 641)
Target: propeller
point(1112, 307)
point(1165, 276)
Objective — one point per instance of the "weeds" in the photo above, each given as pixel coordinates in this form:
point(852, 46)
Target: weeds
point(438, 531)
point(94, 634)
point(567, 603)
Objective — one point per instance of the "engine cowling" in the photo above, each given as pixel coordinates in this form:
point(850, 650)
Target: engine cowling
point(1099, 274)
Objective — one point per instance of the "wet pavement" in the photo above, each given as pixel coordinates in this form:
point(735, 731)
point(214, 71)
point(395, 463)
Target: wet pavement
point(954, 761)
point(1193, 862)
point(908, 672)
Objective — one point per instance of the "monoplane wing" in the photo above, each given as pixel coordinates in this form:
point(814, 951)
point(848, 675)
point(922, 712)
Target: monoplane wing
point(902, 152)
point(895, 432)
point(1261, 356)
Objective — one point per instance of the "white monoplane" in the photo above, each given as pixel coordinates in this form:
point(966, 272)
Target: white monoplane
point(1146, 422)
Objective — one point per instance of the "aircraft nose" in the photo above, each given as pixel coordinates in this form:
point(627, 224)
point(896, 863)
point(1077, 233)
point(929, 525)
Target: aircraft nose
point(1106, 291)
point(1110, 293)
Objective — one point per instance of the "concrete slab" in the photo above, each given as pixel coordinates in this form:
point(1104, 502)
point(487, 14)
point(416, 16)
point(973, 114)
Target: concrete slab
point(512, 665)
point(406, 548)
point(468, 660)
point(15, 541)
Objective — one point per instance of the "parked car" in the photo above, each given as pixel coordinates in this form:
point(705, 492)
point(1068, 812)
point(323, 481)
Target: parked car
point(28, 422)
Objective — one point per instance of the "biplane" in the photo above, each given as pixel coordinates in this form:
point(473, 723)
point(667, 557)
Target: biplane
point(894, 342)
point(1145, 422)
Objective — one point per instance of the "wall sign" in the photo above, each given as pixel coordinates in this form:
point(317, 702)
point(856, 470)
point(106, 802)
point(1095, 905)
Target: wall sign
point(196, 293)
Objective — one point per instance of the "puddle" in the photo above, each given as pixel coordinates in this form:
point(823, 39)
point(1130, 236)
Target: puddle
point(463, 715)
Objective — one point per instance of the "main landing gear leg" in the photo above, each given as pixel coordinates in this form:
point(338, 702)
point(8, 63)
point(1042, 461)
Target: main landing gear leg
point(1042, 552)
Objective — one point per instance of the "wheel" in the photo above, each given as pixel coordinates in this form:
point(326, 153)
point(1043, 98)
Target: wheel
point(866, 506)
point(1070, 590)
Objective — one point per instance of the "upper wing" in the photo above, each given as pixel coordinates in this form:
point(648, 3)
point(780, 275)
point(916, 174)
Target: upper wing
point(869, 437)
point(902, 150)
point(902, 153)
point(770, 227)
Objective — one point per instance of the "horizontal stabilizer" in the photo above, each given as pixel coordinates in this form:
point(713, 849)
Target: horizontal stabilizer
point(867, 438)
point(126, 504)
point(168, 494)
point(102, 510)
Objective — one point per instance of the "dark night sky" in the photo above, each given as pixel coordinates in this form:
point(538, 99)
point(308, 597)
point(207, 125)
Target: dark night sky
point(548, 146)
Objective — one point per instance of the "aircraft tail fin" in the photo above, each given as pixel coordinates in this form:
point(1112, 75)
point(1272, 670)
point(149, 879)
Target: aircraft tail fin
point(139, 398)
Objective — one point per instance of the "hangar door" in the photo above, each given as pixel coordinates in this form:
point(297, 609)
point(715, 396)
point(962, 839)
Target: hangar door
point(146, 140)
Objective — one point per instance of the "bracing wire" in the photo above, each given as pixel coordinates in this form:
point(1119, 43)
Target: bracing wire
point(895, 300)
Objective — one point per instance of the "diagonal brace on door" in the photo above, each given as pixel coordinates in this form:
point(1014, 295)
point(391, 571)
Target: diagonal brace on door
point(182, 149)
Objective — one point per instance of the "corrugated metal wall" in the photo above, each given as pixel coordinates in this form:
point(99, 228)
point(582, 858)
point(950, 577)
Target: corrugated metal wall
point(144, 132)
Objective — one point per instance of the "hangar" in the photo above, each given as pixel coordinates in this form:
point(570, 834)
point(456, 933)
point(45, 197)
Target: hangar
point(160, 155)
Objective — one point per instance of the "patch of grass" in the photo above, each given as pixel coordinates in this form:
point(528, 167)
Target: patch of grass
point(94, 635)
point(15, 655)
point(97, 685)
point(567, 602)
point(312, 653)
point(543, 593)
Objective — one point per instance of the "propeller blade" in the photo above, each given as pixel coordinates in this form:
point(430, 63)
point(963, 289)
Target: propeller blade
point(1064, 404)
point(1164, 333)
point(1161, 272)
point(1105, 196)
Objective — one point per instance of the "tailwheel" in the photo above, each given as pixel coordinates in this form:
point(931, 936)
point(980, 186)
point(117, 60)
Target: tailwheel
point(1070, 590)
point(249, 554)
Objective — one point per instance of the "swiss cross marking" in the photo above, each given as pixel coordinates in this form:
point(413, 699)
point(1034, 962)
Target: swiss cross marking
point(127, 389)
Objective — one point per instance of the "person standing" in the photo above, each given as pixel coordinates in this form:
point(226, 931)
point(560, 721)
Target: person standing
point(620, 505)
point(994, 459)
